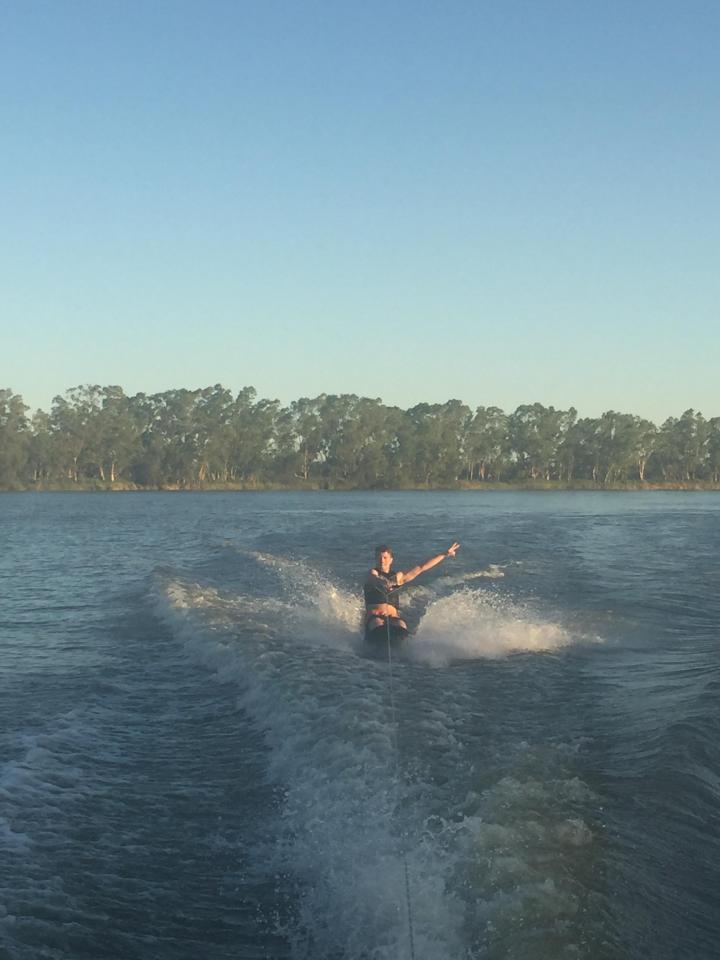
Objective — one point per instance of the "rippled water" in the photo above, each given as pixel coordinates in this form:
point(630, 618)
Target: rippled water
point(199, 760)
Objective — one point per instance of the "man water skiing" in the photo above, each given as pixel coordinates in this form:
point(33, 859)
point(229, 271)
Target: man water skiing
point(382, 601)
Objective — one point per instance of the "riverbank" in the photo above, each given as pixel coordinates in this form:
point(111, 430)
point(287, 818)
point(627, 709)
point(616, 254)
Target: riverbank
point(97, 486)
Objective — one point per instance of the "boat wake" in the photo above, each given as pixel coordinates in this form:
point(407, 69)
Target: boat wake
point(370, 783)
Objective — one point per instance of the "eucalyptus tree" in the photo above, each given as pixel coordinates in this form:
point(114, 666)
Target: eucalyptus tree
point(376, 460)
point(581, 451)
point(117, 434)
point(95, 431)
point(343, 437)
point(606, 449)
point(485, 444)
point(430, 442)
point(73, 425)
point(283, 459)
point(616, 445)
point(682, 446)
point(337, 435)
point(666, 458)
point(174, 420)
point(691, 439)
point(361, 447)
point(535, 435)
point(713, 449)
point(147, 467)
point(572, 452)
point(645, 439)
point(14, 438)
point(307, 431)
point(253, 434)
point(42, 457)
point(213, 414)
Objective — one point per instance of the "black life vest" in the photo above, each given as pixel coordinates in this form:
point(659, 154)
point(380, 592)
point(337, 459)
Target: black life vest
point(381, 588)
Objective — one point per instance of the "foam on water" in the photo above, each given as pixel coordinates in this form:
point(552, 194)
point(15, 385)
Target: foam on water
point(333, 616)
point(474, 624)
point(493, 571)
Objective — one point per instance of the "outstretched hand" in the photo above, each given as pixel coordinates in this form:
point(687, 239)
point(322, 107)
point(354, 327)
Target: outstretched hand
point(452, 550)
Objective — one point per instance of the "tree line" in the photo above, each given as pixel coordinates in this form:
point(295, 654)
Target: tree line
point(197, 438)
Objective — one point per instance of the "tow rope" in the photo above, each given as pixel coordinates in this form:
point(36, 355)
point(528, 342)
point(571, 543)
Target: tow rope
point(408, 901)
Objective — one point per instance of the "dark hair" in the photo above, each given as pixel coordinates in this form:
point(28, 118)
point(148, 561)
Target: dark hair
point(382, 548)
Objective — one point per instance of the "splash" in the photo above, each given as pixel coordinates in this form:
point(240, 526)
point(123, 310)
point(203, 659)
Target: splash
point(332, 619)
point(493, 571)
point(473, 624)
point(332, 607)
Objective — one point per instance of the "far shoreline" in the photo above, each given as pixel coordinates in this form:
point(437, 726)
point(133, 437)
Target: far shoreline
point(526, 486)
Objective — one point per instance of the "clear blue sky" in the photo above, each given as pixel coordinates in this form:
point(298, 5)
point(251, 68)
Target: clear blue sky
point(502, 202)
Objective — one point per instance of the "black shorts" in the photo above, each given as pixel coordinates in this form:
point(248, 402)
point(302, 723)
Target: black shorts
point(391, 628)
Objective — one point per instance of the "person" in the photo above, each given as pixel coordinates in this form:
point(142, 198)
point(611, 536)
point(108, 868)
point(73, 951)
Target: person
point(382, 600)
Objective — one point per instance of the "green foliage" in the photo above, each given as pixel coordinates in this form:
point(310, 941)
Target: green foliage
point(14, 437)
point(98, 437)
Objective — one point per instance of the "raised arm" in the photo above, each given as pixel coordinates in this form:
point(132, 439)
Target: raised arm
point(409, 575)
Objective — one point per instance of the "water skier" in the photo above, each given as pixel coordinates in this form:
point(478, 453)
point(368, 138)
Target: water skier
point(382, 601)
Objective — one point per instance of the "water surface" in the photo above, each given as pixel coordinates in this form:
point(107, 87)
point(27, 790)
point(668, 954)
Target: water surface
point(198, 759)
